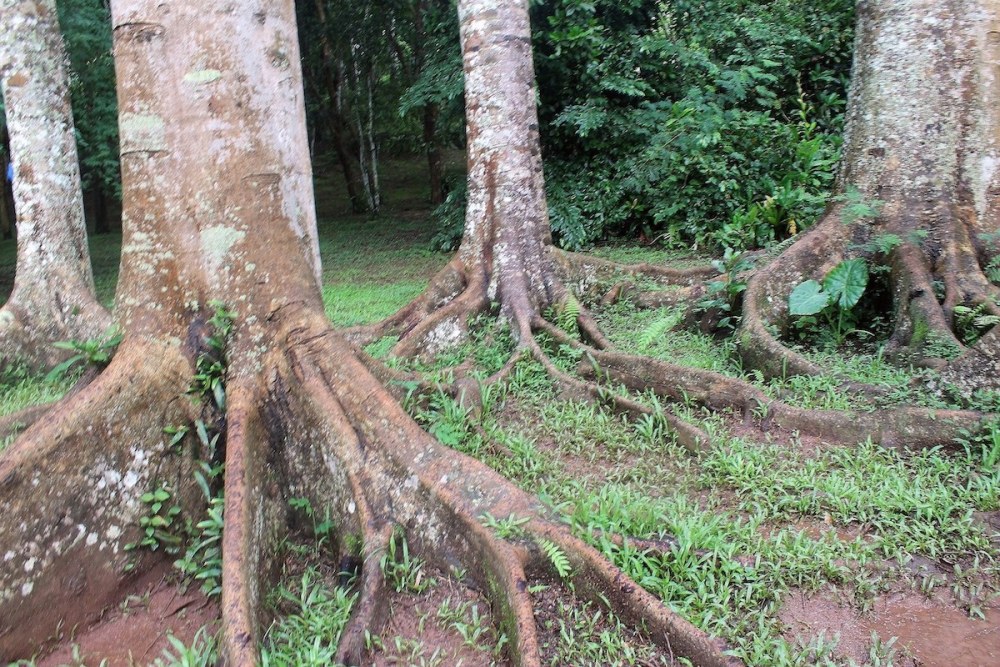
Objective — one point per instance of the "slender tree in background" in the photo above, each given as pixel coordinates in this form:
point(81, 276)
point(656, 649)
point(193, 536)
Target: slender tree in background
point(338, 114)
point(86, 28)
point(53, 297)
point(419, 37)
point(218, 207)
point(6, 196)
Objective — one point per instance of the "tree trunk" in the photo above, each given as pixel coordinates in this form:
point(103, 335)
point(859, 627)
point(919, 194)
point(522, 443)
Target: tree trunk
point(101, 225)
point(53, 296)
point(218, 207)
point(505, 255)
point(6, 206)
point(435, 162)
point(507, 226)
point(923, 137)
point(345, 142)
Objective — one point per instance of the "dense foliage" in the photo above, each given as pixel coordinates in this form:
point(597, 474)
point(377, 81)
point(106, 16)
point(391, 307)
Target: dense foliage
point(708, 121)
point(86, 26)
point(681, 121)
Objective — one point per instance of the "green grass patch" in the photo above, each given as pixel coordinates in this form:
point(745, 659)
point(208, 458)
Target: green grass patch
point(20, 389)
point(309, 631)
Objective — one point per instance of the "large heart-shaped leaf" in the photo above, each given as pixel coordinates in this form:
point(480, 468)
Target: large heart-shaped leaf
point(846, 282)
point(807, 299)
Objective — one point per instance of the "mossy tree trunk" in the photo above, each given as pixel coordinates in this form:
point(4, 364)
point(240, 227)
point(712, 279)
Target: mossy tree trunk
point(923, 138)
point(53, 296)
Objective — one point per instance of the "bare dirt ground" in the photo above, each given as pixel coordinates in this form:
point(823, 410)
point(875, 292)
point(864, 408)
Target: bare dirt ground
point(136, 633)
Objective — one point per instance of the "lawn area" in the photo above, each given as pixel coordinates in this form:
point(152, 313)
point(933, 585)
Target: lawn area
point(794, 552)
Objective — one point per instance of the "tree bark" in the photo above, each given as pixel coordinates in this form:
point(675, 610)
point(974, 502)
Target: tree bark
point(506, 226)
point(923, 137)
point(53, 296)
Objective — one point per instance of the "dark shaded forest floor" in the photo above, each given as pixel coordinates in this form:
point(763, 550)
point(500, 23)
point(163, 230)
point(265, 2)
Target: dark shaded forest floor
point(795, 552)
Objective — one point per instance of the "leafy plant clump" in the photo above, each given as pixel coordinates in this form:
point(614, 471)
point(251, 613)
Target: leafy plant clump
point(199, 544)
point(829, 307)
point(95, 352)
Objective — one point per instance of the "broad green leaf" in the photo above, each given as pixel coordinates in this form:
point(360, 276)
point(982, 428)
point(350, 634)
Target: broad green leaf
point(807, 299)
point(61, 369)
point(846, 282)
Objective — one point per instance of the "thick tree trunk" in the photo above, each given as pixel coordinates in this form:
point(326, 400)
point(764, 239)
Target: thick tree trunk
point(507, 237)
point(506, 252)
point(53, 296)
point(923, 137)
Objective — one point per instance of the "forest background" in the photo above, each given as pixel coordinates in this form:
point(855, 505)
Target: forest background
point(712, 123)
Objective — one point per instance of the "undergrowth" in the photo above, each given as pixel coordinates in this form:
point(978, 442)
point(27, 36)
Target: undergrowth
point(754, 522)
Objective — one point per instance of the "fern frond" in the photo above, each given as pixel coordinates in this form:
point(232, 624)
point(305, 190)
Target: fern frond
point(556, 556)
point(658, 328)
point(568, 314)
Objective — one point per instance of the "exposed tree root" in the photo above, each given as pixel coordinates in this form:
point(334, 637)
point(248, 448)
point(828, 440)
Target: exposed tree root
point(448, 283)
point(652, 299)
point(978, 368)
point(688, 436)
point(27, 334)
point(71, 485)
point(372, 608)
point(342, 441)
point(17, 422)
point(581, 270)
point(946, 266)
point(765, 302)
point(898, 427)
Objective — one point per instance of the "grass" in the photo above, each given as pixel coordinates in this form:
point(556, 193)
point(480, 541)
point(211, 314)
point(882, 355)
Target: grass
point(20, 389)
point(308, 632)
point(755, 521)
point(373, 267)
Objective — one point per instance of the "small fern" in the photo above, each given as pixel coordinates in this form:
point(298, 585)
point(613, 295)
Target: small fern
point(658, 328)
point(568, 314)
point(556, 556)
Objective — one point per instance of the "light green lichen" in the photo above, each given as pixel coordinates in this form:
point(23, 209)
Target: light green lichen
point(142, 132)
point(202, 76)
point(216, 242)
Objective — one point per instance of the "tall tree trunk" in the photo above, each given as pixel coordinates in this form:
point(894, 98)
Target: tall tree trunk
point(53, 297)
point(101, 224)
point(431, 111)
point(346, 144)
point(6, 196)
point(923, 137)
point(435, 162)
